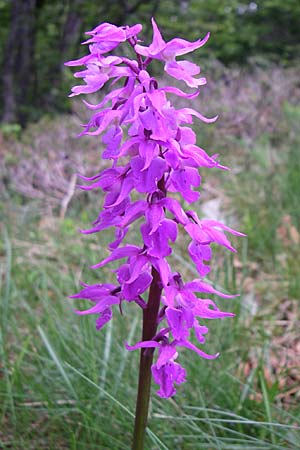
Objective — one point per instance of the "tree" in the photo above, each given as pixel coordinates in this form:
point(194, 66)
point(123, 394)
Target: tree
point(18, 67)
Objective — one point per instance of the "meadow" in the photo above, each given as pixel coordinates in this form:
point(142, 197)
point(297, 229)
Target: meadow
point(63, 385)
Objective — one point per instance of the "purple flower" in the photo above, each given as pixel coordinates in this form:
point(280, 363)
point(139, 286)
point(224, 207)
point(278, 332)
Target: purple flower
point(107, 36)
point(104, 296)
point(167, 52)
point(166, 376)
point(166, 372)
point(99, 71)
point(153, 162)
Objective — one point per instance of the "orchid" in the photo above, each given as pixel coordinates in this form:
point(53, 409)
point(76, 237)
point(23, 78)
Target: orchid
point(167, 52)
point(155, 160)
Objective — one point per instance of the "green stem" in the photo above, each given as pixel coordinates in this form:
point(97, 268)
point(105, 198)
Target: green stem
point(150, 314)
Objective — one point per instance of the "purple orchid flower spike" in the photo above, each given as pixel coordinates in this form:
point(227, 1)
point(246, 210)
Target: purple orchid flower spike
point(153, 160)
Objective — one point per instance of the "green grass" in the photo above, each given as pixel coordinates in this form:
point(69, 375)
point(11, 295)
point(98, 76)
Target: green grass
point(63, 385)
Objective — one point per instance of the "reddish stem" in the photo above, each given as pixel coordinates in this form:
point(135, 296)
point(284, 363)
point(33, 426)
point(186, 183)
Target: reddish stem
point(150, 315)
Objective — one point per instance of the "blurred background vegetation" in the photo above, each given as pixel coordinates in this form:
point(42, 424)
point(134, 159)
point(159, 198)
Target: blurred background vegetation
point(37, 36)
point(62, 384)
